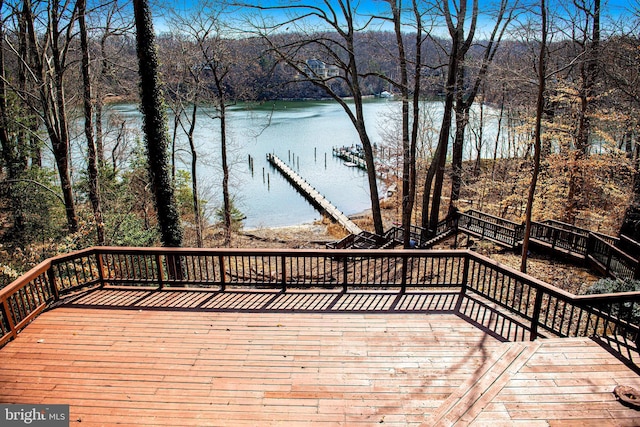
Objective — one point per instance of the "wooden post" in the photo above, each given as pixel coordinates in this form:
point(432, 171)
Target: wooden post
point(160, 271)
point(405, 267)
point(9, 316)
point(283, 266)
point(52, 283)
point(344, 274)
point(465, 281)
point(535, 318)
point(100, 263)
point(223, 275)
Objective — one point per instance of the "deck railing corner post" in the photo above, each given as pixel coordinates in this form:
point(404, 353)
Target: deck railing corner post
point(283, 267)
point(405, 268)
point(535, 317)
point(53, 283)
point(345, 271)
point(100, 264)
point(465, 272)
point(160, 271)
point(223, 275)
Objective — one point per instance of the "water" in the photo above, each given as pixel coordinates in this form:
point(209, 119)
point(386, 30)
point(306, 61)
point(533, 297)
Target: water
point(302, 134)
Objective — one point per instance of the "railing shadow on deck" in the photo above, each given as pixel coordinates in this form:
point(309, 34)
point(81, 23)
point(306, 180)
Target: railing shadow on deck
point(479, 313)
point(506, 302)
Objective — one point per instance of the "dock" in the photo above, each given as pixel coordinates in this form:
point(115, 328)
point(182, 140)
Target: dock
point(350, 157)
point(313, 196)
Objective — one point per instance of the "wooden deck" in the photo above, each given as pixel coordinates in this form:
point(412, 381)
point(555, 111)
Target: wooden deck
point(139, 357)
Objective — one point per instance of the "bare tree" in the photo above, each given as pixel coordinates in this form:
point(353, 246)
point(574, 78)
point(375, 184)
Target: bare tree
point(466, 92)
point(48, 64)
point(212, 61)
point(338, 51)
point(410, 71)
point(585, 31)
point(541, 71)
point(112, 25)
point(92, 163)
point(431, 207)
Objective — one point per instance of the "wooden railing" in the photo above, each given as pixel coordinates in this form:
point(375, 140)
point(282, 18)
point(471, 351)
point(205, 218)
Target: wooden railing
point(610, 260)
point(25, 298)
point(547, 310)
point(560, 236)
point(606, 254)
point(485, 226)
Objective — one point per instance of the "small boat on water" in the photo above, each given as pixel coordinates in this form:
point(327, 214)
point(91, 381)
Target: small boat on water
point(350, 164)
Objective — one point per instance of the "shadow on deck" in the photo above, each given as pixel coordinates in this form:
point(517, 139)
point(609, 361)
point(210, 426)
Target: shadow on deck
point(480, 313)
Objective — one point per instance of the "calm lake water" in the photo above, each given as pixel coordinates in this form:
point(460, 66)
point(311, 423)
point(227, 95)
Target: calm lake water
point(302, 134)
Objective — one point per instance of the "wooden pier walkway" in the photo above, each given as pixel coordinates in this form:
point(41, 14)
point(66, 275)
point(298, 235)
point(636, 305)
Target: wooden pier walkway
point(313, 195)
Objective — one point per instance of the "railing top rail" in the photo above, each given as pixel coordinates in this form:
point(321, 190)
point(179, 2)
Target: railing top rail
point(25, 278)
point(565, 226)
point(477, 214)
point(41, 268)
point(280, 252)
point(629, 240)
point(615, 249)
point(556, 225)
point(604, 237)
point(632, 296)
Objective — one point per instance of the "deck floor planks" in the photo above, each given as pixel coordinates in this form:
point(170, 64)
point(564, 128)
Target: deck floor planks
point(155, 366)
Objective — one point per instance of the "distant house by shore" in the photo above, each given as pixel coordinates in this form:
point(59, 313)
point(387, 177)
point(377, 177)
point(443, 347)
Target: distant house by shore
point(318, 69)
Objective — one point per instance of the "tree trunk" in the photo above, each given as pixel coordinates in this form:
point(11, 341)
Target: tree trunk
point(415, 126)
point(194, 175)
point(92, 161)
point(462, 119)
point(10, 149)
point(542, 71)
point(407, 197)
point(588, 75)
point(155, 122)
point(430, 215)
point(226, 198)
point(52, 99)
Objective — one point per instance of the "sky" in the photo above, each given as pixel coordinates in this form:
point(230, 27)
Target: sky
point(613, 10)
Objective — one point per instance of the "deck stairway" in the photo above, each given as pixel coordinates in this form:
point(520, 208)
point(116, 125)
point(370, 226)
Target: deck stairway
point(617, 257)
